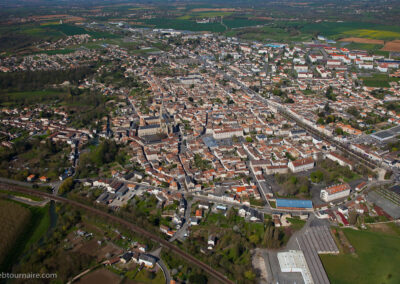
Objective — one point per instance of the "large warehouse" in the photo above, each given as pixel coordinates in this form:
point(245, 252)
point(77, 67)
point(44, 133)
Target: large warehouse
point(294, 261)
point(294, 204)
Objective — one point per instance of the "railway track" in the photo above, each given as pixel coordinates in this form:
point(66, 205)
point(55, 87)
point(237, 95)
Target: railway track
point(216, 274)
point(367, 162)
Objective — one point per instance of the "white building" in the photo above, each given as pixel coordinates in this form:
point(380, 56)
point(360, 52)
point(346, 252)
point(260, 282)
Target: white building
point(294, 261)
point(227, 133)
point(301, 165)
point(335, 192)
point(340, 160)
point(147, 260)
point(301, 68)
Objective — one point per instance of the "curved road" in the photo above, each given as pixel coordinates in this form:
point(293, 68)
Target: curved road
point(216, 274)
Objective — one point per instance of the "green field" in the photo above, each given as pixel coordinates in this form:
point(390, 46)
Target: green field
point(184, 25)
point(267, 33)
point(296, 224)
point(376, 260)
point(143, 277)
point(207, 14)
point(70, 30)
point(379, 81)
point(32, 233)
point(337, 30)
point(363, 46)
point(240, 23)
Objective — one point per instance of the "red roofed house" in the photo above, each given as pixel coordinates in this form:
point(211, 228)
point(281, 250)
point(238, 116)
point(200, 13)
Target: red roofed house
point(31, 178)
point(361, 186)
point(199, 214)
point(43, 179)
point(301, 165)
point(335, 192)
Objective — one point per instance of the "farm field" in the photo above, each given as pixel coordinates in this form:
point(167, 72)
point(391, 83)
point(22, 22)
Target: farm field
point(376, 259)
point(69, 30)
point(205, 14)
point(363, 40)
point(99, 276)
point(36, 227)
point(363, 46)
point(269, 34)
point(242, 22)
point(338, 30)
point(392, 46)
point(184, 25)
point(14, 217)
point(373, 34)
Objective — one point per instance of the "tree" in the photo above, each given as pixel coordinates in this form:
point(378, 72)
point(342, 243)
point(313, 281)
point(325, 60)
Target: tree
point(330, 118)
point(327, 108)
point(66, 186)
point(329, 94)
point(353, 216)
point(317, 176)
point(198, 278)
point(249, 274)
point(339, 131)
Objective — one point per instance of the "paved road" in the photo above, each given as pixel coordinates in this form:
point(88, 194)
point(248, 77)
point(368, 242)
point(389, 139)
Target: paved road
point(214, 273)
point(165, 270)
point(29, 201)
point(181, 232)
point(156, 253)
point(55, 184)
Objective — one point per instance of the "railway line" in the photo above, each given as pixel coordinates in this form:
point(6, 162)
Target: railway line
point(367, 162)
point(364, 160)
point(214, 273)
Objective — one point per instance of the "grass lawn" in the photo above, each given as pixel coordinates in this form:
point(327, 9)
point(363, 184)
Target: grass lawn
point(376, 260)
point(142, 277)
point(296, 224)
point(363, 46)
point(257, 202)
point(355, 177)
point(378, 81)
point(43, 223)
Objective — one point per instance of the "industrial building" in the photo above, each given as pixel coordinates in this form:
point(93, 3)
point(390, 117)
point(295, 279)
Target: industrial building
point(294, 261)
point(294, 204)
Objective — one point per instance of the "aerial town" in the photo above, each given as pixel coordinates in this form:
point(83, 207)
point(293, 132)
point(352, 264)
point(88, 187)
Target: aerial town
point(176, 156)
